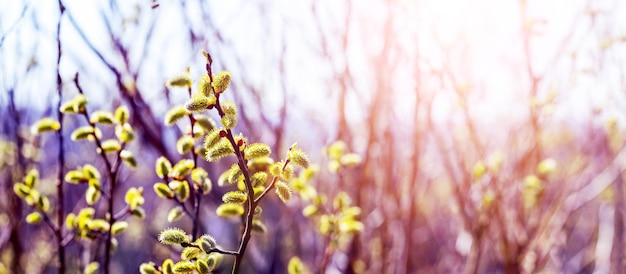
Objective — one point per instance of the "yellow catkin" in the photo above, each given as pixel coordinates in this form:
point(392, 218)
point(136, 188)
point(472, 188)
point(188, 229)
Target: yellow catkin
point(283, 191)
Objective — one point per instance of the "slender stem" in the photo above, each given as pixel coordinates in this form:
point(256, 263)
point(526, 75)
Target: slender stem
point(112, 169)
point(225, 252)
point(197, 195)
point(61, 159)
point(328, 251)
point(50, 224)
point(213, 250)
point(122, 213)
point(112, 182)
point(251, 205)
point(241, 161)
point(251, 202)
point(182, 204)
point(196, 219)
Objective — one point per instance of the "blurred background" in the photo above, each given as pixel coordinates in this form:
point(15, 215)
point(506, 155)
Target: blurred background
point(491, 132)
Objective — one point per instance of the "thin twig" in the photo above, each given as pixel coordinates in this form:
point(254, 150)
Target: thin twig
point(241, 161)
point(271, 186)
point(196, 195)
point(61, 159)
point(213, 250)
point(112, 169)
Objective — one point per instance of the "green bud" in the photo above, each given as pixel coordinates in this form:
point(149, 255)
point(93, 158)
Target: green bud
point(128, 158)
point(80, 101)
point(67, 108)
point(283, 191)
point(183, 191)
point(163, 191)
point(229, 210)
point(119, 227)
point(221, 82)
point(235, 173)
point(34, 218)
point(90, 172)
point(197, 103)
point(163, 167)
point(235, 197)
point(175, 214)
point(70, 221)
point(134, 197)
point(102, 117)
point(204, 86)
point(198, 175)
point(75, 176)
point(259, 178)
point(173, 236)
point(124, 133)
point(202, 267)
point(185, 144)
point(183, 267)
point(257, 150)
point(182, 168)
point(298, 157)
point(91, 268)
point(181, 80)
point(229, 121)
point(220, 150)
point(43, 203)
point(212, 138)
point(295, 266)
point(121, 114)
point(111, 145)
point(45, 125)
point(206, 122)
point(258, 227)
point(21, 190)
point(147, 268)
point(174, 114)
point(309, 210)
point(92, 195)
point(207, 242)
point(262, 163)
point(98, 225)
point(189, 253)
point(31, 178)
point(168, 266)
point(138, 212)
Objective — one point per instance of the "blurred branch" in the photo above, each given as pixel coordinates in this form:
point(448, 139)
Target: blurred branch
point(15, 208)
point(141, 114)
point(60, 210)
point(13, 27)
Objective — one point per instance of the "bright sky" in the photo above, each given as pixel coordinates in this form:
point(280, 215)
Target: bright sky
point(482, 40)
